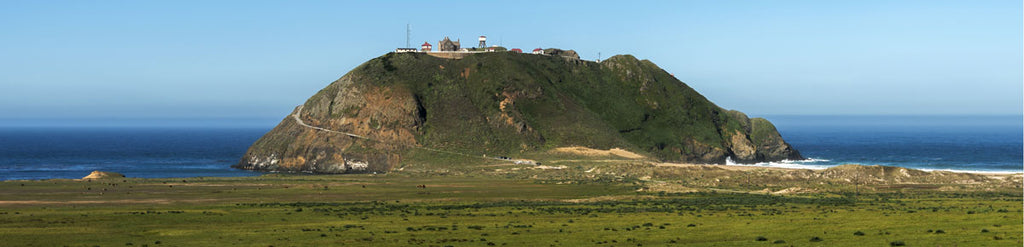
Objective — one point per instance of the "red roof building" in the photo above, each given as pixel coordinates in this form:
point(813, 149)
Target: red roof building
point(516, 50)
point(426, 46)
point(538, 51)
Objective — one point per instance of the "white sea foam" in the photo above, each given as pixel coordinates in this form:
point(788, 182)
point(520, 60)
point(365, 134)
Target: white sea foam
point(821, 164)
point(792, 164)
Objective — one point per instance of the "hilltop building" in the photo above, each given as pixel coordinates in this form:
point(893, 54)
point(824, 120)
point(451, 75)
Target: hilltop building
point(448, 45)
point(447, 48)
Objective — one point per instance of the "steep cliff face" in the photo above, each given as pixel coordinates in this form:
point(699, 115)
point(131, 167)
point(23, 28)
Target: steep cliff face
point(504, 104)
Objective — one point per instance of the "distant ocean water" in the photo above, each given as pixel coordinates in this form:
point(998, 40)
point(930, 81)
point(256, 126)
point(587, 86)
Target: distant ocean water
point(959, 143)
point(952, 143)
point(147, 152)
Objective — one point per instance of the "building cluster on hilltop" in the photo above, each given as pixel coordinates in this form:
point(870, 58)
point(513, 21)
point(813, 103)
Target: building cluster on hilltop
point(447, 45)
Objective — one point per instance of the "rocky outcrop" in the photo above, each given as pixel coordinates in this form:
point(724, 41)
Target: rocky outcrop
point(562, 53)
point(102, 175)
point(388, 118)
point(506, 104)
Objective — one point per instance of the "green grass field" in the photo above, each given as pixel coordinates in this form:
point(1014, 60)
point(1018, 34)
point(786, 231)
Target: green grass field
point(392, 210)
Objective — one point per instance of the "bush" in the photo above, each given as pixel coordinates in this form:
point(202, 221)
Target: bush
point(897, 243)
point(858, 233)
point(780, 241)
point(984, 230)
point(939, 231)
point(761, 238)
point(816, 239)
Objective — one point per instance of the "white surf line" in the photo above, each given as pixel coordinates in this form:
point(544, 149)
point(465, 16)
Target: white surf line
point(303, 123)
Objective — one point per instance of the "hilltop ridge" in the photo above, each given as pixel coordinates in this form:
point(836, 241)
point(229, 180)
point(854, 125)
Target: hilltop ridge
point(503, 104)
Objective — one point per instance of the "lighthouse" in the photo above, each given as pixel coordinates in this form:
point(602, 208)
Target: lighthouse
point(483, 41)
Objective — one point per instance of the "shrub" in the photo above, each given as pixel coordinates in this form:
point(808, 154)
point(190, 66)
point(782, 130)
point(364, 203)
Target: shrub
point(897, 243)
point(984, 230)
point(780, 241)
point(761, 238)
point(940, 231)
point(816, 239)
point(858, 233)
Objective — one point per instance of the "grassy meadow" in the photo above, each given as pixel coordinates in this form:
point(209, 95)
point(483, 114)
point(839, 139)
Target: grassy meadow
point(510, 207)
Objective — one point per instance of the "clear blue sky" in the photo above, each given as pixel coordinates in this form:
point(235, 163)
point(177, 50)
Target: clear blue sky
point(258, 59)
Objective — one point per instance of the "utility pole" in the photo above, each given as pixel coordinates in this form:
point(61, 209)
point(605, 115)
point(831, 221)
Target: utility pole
point(408, 34)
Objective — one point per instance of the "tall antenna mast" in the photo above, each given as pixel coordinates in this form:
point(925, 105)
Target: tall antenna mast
point(408, 33)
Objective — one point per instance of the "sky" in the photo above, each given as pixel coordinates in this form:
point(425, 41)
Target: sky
point(175, 60)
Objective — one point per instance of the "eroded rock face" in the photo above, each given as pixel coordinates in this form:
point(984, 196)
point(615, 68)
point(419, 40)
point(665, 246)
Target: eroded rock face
point(505, 104)
point(742, 149)
point(387, 117)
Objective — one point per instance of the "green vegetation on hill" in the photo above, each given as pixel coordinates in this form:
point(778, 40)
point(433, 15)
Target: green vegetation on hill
point(510, 104)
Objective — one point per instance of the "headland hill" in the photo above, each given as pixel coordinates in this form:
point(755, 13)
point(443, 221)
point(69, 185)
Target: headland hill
point(491, 103)
point(490, 146)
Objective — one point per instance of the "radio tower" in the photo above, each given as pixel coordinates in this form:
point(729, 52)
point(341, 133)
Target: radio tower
point(408, 33)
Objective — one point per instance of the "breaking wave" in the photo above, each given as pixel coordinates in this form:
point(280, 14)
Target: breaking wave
point(821, 164)
point(809, 163)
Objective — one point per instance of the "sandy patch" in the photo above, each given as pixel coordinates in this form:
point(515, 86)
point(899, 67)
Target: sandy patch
point(725, 167)
point(597, 152)
point(793, 190)
point(542, 167)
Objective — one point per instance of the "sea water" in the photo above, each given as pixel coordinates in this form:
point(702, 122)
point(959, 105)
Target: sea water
point(952, 143)
point(145, 152)
point(958, 143)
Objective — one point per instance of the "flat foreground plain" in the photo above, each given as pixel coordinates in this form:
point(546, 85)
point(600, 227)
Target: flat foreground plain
point(495, 204)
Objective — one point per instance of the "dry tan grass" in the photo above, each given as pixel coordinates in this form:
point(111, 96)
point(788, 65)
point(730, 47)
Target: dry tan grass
point(597, 152)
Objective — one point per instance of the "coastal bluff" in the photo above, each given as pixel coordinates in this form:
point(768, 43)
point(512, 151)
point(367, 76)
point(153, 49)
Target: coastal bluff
point(502, 105)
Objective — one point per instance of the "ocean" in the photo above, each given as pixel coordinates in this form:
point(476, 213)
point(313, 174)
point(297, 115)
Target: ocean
point(956, 143)
point(144, 152)
point(950, 143)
